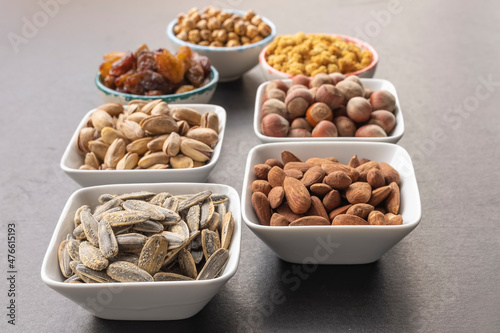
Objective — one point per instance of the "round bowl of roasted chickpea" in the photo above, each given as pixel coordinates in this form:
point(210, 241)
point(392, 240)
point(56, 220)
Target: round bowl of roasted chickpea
point(231, 39)
point(309, 54)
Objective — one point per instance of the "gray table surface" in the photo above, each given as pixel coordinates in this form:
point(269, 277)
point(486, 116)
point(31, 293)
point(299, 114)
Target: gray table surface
point(441, 56)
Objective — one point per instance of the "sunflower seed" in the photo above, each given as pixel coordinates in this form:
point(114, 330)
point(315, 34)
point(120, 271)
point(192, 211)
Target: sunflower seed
point(92, 257)
point(164, 276)
point(171, 203)
point(194, 199)
point(214, 265)
point(64, 259)
point(193, 218)
point(219, 198)
point(131, 242)
point(214, 223)
point(181, 229)
point(172, 255)
point(78, 232)
point(174, 240)
point(118, 230)
point(98, 217)
point(130, 257)
point(107, 240)
point(73, 279)
point(206, 212)
point(145, 208)
point(197, 256)
point(210, 242)
point(112, 203)
point(160, 198)
point(153, 253)
point(90, 226)
point(141, 195)
point(227, 230)
point(77, 219)
point(187, 263)
point(125, 271)
point(97, 276)
point(72, 246)
point(124, 218)
point(148, 226)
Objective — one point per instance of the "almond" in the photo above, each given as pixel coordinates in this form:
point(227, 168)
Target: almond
point(261, 171)
point(320, 189)
point(347, 219)
point(260, 185)
point(301, 166)
point(338, 211)
point(310, 220)
point(274, 162)
point(297, 195)
point(390, 174)
point(393, 199)
point(261, 207)
point(362, 210)
point(379, 195)
point(364, 168)
point(287, 156)
point(354, 162)
point(278, 220)
point(287, 213)
point(376, 218)
point(351, 172)
point(332, 200)
point(276, 196)
point(276, 176)
point(393, 219)
point(338, 180)
point(294, 173)
point(358, 192)
point(375, 178)
point(313, 175)
point(319, 160)
point(317, 208)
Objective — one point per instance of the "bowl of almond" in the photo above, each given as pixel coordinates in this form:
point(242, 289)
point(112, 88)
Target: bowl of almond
point(330, 202)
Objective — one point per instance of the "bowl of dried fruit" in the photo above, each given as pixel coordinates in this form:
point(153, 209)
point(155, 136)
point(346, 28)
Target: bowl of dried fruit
point(145, 251)
point(231, 39)
point(145, 142)
point(184, 77)
point(309, 54)
point(328, 107)
point(330, 202)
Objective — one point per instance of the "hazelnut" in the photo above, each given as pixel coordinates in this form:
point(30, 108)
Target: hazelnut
point(340, 111)
point(383, 100)
point(297, 102)
point(240, 28)
point(264, 29)
point(320, 79)
point(297, 86)
point(370, 130)
point(275, 125)
point(202, 24)
point(213, 24)
point(301, 123)
point(359, 109)
point(273, 105)
point(350, 89)
point(317, 112)
point(345, 126)
point(299, 133)
point(275, 93)
point(233, 43)
point(277, 84)
point(325, 128)
point(337, 77)
point(251, 31)
point(194, 36)
point(384, 119)
point(368, 93)
point(354, 79)
point(331, 95)
point(301, 79)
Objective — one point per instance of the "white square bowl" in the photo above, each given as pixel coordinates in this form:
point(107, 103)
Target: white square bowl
point(356, 244)
point(72, 160)
point(169, 300)
point(375, 84)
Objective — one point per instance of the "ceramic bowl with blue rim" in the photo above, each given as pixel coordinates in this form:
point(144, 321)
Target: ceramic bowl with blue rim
point(231, 62)
point(200, 95)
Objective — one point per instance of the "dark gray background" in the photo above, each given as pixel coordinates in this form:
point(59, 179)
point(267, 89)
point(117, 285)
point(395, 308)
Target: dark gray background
point(443, 277)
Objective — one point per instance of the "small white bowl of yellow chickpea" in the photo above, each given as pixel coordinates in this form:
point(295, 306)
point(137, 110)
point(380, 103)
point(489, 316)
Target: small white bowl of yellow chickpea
point(310, 54)
point(231, 39)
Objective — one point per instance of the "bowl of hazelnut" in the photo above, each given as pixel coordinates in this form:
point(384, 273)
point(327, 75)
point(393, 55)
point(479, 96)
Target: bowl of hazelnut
point(310, 54)
point(174, 77)
point(231, 39)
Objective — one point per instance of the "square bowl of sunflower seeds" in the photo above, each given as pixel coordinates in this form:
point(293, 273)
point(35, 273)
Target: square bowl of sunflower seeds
point(145, 251)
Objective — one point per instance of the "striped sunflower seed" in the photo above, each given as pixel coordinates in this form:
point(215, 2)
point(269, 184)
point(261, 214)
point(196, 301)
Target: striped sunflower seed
point(153, 253)
point(92, 257)
point(214, 265)
point(125, 271)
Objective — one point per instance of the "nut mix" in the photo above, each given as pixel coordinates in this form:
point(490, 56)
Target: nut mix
point(326, 105)
point(146, 236)
point(316, 53)
point(219, 28)
point(153, 73)
point(147, 135)
point(323, 191)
